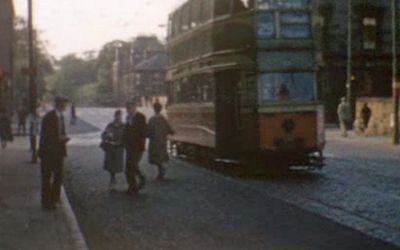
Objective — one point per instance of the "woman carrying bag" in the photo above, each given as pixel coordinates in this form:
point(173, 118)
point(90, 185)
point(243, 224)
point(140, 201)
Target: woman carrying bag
point(113, 147)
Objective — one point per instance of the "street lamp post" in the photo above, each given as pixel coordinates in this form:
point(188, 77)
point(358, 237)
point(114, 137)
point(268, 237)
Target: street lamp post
point(32, 75)
point(395, 82)
point(349, 51)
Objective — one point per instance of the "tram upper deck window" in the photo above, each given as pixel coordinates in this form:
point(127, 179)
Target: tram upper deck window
point(222, 7)
point(196, 10)
point(242, 5)
point(176, 26)
point(207, 10)
point(295, 25)
point(185, 17)
point(287, 87)
point(170, 34)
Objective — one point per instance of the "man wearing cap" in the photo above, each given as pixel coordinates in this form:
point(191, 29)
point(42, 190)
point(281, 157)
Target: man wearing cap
point(134, 140)
point(52, 150)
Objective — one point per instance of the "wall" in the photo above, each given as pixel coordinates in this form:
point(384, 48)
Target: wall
point(380, 123)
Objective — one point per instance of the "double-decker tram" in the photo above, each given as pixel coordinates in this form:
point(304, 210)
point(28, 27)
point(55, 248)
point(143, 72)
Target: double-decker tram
point(242, 82)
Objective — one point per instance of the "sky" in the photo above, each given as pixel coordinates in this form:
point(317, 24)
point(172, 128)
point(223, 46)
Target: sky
point(76, 26)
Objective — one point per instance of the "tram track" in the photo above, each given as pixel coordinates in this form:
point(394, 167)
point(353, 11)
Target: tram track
point(347, 217)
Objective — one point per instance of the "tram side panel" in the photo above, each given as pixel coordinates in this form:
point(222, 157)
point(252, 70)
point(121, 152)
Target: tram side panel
point(194, 124)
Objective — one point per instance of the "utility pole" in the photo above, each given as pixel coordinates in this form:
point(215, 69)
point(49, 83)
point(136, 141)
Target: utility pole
point(395, 82)
point(32, 76)
point(349, 51)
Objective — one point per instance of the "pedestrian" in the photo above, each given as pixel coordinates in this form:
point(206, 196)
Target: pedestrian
point(365, 116)
point(158, 130)
point(73, 114)
point(113, 147)
point(34, 124)
point(22, 114)
point(52, 150)
point(134, 142)
point(344, 115)
point(5, 129)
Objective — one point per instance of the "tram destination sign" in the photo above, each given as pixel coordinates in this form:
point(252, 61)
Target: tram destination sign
point(282, 4)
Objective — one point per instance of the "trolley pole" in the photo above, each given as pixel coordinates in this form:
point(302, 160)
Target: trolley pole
point(349, 51)
point(395, 82)
point(32, 75)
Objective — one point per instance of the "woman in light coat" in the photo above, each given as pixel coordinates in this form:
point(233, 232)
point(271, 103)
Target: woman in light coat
point(158, 130)
point(113, 147)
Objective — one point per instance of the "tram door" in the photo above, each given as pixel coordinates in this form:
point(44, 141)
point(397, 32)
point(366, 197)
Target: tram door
point(227, 113)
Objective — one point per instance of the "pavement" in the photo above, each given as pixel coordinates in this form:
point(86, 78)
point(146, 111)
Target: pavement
point(351, 204)
point(23, 224)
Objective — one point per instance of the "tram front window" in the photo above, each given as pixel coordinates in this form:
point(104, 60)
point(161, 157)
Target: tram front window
point(287, 87)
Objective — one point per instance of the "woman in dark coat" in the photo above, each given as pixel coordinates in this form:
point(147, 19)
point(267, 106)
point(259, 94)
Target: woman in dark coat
point(5, 129)
point(113, 147)
point(158, 130)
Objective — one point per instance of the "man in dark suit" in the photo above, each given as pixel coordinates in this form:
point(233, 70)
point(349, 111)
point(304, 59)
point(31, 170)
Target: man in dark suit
point(134, 141)
point(52, 150)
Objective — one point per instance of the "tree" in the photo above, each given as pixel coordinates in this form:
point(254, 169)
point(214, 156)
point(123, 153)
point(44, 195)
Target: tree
point(43, 59)
point(105, 62)
point(73, 73)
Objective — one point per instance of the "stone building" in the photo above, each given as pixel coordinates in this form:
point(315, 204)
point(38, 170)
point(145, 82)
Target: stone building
point(6, 53)
point(127, 83)
point(371, 49)
point(150, 77)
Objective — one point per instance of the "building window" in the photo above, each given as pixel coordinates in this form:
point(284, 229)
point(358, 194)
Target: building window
point(369, 33)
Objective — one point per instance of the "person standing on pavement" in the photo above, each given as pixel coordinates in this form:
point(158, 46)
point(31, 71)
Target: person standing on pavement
point(113, 147)
point(22, 114)
point(34, 124)
point(365, 116)
point(344, 115)
point(134, 141)
point(158, 130)
point(5, 129)
point(52, 150)
point(73, 114)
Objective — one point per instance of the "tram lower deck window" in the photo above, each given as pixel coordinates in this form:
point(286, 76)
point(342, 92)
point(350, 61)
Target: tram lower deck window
point(283, 87)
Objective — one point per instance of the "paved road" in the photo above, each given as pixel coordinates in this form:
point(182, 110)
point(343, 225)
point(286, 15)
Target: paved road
point(198, 209)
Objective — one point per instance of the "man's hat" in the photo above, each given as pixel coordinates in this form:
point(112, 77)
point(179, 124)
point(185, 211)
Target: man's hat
point(60, 99)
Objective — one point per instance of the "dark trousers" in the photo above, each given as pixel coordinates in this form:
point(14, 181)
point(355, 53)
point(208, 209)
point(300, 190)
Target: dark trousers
point(52, 178)
point(33, 142)
point(132, 169)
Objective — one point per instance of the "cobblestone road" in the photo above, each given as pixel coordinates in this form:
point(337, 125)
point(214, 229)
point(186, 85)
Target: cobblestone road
point(197, 209)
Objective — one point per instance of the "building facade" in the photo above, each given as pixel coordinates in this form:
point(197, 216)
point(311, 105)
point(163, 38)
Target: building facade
point(128, 83)
point(6, 53)
point(150, 77)
point(371, 48)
